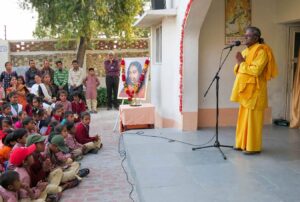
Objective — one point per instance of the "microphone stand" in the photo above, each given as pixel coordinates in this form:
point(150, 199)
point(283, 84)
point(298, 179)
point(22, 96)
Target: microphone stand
point(217, 78)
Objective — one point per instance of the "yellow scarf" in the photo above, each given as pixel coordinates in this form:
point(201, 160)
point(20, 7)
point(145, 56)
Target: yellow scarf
point(271, 70)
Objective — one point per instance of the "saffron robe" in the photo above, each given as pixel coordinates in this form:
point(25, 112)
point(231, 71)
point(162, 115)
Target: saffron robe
point(250, 90)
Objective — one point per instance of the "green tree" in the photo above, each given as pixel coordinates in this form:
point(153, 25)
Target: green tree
point(84, 19)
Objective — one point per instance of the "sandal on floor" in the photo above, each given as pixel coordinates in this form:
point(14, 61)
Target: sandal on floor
point(237, 149)
point(71, 184)
point(53, 197)
point(251, 152)
point(83, 172)
point(79, 158)
point(94, 151)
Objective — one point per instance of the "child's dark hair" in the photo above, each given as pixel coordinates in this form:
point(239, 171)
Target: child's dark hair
point(5, 106)
point(38, 112)
point(83, 114)
point(50, 136)
point(8, 138)
point(91, 69)
point(53, 124)
point(29, 97)
point(11, 94)
point(21, 113)
point(26, 121)
point(62, 92)
point(57, 107)
point(76, 94)
point(19, 133)
point(68, 113)
point(5, 120)
point(58, 129)
point(69, 125)
point(38, 99)
point(8, 178)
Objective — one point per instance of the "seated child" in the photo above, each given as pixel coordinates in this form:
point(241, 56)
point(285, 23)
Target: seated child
point(21, 116)
point(42, 120)
point(10, 186)
point(29, 106)
point(6, 112)
point(62, 94)
point(77, 149)
point(55, 152)
point(43, 170)
point(6, 124)
point(78, 106)
point(82, 134)
point(20, 135)
point(15, 106)
point(57, 113)
point(22, 159)
point(8, 143)
point(29, 125)
point(35, 104)
point(50, 129)
point(68, 117)
point(61, 129)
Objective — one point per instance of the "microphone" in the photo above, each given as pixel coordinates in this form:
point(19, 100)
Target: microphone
point(235, 43)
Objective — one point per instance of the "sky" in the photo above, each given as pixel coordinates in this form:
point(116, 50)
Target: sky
point(19, 23)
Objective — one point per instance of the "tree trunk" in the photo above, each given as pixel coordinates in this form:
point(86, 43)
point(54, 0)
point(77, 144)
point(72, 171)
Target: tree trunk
point(81, 51)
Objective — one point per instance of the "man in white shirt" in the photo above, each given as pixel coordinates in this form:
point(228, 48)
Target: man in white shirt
point(39, 89)
point(76, 76)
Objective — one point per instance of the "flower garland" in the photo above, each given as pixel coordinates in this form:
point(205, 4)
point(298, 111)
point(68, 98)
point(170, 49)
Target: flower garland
point(136, 87)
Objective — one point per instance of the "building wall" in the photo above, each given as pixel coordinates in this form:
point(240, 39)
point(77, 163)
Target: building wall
point(164, 94)
point(266, 14)
point(4, 53)
point(165, 76)
point(211, 42)
point(288, 11)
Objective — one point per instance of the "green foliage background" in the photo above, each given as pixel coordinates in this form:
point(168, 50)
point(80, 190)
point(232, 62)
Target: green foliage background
point(102, 100)
point(65, 19)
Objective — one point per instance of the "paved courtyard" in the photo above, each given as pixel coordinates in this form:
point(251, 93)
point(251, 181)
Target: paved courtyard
point(169, 171)
point(106, 181)
point(165, 170)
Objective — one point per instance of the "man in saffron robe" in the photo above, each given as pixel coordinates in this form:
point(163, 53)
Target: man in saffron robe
point(255, 66)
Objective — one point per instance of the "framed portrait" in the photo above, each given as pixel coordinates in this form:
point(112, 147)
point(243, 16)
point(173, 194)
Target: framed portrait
point(237, 19)
point(133, 71)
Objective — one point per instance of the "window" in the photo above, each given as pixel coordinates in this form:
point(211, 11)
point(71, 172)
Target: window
point(158, 45)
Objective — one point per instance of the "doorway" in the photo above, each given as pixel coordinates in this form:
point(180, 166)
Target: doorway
point(294, 45)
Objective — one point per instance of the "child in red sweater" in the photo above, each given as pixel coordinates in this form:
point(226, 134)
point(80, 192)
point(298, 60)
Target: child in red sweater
point(78, 106)
point(57, 113)
point(82, 134)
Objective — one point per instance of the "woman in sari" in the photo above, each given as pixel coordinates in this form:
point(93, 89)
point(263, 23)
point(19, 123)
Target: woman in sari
point(51, 88)
point(18, 85)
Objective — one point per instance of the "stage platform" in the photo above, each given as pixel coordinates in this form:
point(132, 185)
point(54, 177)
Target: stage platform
point(167, 171)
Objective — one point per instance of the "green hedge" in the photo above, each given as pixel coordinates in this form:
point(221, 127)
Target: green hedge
point(102, 98)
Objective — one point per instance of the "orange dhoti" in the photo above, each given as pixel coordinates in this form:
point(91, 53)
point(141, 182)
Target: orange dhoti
point(249, 129)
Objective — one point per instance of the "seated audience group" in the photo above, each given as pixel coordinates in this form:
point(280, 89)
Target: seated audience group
point(44, 132)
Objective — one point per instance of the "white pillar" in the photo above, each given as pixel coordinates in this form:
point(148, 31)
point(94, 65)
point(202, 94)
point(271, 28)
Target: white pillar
point(193, 26)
